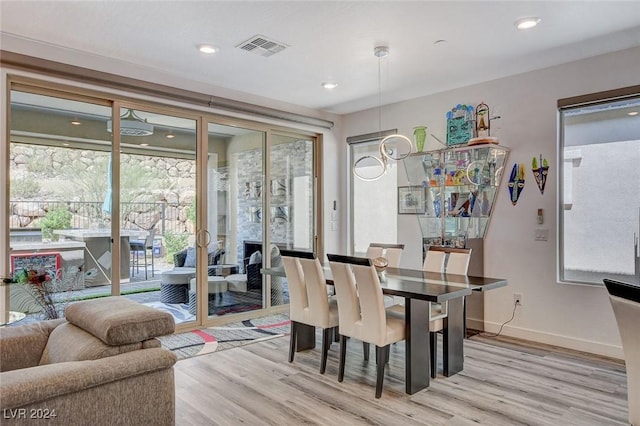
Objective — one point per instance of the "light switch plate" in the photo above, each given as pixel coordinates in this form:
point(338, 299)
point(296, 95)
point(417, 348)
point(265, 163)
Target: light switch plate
point(542, 234)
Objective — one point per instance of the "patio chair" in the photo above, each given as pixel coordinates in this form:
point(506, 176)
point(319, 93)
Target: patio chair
point(136, 246)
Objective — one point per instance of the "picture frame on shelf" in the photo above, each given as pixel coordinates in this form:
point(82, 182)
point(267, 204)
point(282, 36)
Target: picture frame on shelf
point(411, 200)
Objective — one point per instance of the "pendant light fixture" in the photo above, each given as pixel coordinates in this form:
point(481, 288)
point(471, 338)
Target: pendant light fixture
point(132, 125)
point(392, 147)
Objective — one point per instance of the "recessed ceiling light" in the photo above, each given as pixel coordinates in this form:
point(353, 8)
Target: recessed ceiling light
point(171, 136)
point(144, 144)
point(207, 48)
point(527, 23)
point(65, 144)
point(76, 122)
point(632, 113)
point(329, 85)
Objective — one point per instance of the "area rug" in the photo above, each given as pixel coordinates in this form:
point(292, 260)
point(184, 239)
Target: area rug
point(181, 314)
point(207, 340)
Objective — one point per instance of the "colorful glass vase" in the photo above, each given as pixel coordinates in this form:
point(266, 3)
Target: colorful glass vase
point(419, 137)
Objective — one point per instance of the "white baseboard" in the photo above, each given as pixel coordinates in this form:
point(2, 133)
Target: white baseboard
point(568, 342)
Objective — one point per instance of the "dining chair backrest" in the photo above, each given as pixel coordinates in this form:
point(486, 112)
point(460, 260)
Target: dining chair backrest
point(434, 259)
point(625, 301)
point(392, 252)
point(317, 298)
point(447, 259)
point(361, 308)
point(458, 261)
point(298, 298)
point(393, 256)
point(373, 252)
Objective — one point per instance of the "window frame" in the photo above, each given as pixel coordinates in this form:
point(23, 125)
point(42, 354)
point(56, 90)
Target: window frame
point(564, 198)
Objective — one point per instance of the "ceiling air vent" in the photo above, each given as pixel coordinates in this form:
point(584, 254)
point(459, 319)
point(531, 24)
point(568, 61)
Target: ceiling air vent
point(262, 46)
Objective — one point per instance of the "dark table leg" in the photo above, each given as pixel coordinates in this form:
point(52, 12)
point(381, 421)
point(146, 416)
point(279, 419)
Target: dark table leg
point(306, 337)
point(453, 337)
point(417, 345)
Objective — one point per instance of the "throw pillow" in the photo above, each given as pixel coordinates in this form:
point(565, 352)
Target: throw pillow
point(190, 261)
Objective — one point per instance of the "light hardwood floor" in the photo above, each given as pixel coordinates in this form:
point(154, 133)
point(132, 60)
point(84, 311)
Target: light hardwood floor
point(504, 382)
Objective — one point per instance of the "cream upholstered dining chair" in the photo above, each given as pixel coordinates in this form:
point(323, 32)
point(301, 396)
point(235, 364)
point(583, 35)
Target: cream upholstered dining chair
point(455, 262)
point(361, 311)
point(308, 301)
point(391, 252)
point(625, 301)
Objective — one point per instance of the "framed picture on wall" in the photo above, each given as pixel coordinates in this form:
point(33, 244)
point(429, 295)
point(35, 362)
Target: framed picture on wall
point(411, 200)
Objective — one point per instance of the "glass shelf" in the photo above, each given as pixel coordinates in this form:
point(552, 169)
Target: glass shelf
point(460, 185)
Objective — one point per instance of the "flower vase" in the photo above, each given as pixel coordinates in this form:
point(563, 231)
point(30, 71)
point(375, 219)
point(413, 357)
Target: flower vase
point(419, 137)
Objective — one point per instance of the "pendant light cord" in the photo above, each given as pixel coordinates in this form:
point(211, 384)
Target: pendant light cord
point(379, 98)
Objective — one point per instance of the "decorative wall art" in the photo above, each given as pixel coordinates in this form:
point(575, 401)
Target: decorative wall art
point(255, 214)
point(252, 190)
point(459, 125)
point(516, 182)
point(279, 214)
point(540, 172)
point(411, 200)
point(279, 188)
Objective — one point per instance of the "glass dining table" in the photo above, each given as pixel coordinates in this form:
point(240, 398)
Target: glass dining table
point(419, 288)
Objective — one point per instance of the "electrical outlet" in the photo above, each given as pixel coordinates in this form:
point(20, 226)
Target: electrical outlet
point(517, 298)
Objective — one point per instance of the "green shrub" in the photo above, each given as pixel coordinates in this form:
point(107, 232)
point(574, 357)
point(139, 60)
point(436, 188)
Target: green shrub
point(25, 187)
point(58, 218)
point(173, 243)
point(191, 212)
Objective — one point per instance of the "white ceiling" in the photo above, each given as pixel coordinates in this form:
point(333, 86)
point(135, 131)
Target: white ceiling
point(327, 40)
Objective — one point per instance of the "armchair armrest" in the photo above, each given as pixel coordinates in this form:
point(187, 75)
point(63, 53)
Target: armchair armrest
point(22, 346)
point(27, 386)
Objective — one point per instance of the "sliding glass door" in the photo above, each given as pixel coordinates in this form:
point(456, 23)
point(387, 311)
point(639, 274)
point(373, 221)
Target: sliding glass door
point(172, 208)
point(157, 202)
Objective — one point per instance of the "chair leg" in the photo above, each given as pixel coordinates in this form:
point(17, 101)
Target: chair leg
point(464, 317)
point(292, 340)
point(336, 334)
point(326, 342)
point(381, 353)
point(343, 353)
point(433, 348)
point(365, 349)
point(153, 272)
point(145, 263)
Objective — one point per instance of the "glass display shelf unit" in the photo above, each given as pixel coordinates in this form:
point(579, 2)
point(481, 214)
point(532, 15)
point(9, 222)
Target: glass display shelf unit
point(460, 187)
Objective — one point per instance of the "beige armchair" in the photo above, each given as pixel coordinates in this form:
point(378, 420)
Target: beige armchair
point(625, 301)
point(101, 365)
